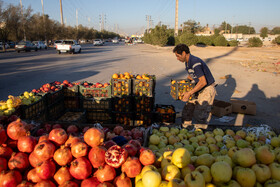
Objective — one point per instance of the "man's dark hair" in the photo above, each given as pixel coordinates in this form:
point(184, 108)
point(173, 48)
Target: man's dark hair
point(180, 48)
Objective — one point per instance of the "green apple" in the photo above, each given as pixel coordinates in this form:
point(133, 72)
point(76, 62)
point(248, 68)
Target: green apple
point(244, 157)
point(213, 148)
point(182, 136)
point(185, 142)
point(230, 143)
point(167, 134)
point(211, 140)
point(176, 183)
point(170, 147)
point(216, 153)
point(234, 171)
point(153, 147)
point(164, 129)
point(231, 151)
point(205, 171)
point(246, 177)
point(221, 172)
point(256, 144)
point(224, 151)
point(242, 143)
point(275, 141)
point(193, 159)
point(151, 179)
point(201, 137)
point(205, 159)
point(170, 172)
point(154, 131)
point(185, 170)
point(272, 183)
point(178, 145)
point(189, 147)
point(209, 134)
point(148, 168)
point(195, 145)
point(275, 170)
point(264, 155)
point(218, 138)
point(183, 131)
point(194, 179)
point(165, 162)
point(201, 150)
point(198, 131)
point(154, 139)
point(193, 139)
point(241, 133)
point(231, 183)
point(218, 131)
point(262, 172)
point(190, 134)
point(251, 137)
point(175, 130)
point(161, 145)
point(226, 159)
point(230, 132)
point(173, 139)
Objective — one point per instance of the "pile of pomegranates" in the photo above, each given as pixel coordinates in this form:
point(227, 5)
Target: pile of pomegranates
point(70, 157)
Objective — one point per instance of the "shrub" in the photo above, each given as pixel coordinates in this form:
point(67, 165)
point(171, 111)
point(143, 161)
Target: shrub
point(205, 40)
point(220, 41)
point(233, 43)
point(277, 40)
point(188, 39)
point(255, 42)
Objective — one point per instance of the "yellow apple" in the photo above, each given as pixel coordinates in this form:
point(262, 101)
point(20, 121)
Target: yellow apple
point(151, 179)
point(181, 157)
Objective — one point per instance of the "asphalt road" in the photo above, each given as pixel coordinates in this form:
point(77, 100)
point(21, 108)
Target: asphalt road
point(25, 71)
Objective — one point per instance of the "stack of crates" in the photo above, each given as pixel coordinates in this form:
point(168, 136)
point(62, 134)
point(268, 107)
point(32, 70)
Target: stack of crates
point(98, 104)
point(72, 100)
point(165, 113)
point(55, 104)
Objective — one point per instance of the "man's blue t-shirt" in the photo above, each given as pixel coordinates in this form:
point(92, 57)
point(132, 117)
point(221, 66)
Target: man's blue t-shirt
point(197, 68)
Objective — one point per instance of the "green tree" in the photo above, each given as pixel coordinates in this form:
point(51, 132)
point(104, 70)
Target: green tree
point(255, 42)
point(187, 38)
point(191, 26)
point(225, 26)
point(220, 41)
point(275, 30)
point(277, 40)
point(244, 29)
point(264, 32)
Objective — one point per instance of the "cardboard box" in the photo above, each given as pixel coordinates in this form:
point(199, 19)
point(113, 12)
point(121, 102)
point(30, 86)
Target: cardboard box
point(243, 107)
point(221, 108)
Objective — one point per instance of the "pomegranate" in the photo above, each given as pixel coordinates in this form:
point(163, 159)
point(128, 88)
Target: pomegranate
point(131, 149)
point(85, 129)
point(58, 136)
point(18, 161)
point(3, 135)
point(41, 132)
point(105, 173)
point(105, 184)
point(122, 181)
point(12, 144)
point(90, 182)
point(17, 129)
point(132, 167)
point(3, 164)
point(80, 168)
point(97, 156)
point(27, 143)
point(32, 176)
point(72, 129)
point(79, 149)
point(46, 169)
point(115, 156)
point(147, 157)
point(44, 150)
point(43, 137)
point(71, 140)
point(128, 138)
point(34, 160)
point(136, 133)
point(45, 183)
point(94, 137)
point(12, 118)
point(10, 178)
point(5, 151)
point(105, 130)
point(25, 184)
point(109, 144)
point(56, 126)
point(118, 129)
point(62, 175)
point(69, 184)
point(136, 143)
point(126, 133)
point(48, 127)
point(110, 136)
point(62, 156)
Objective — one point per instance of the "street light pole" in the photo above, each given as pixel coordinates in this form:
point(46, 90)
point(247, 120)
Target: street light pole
point(24, 36)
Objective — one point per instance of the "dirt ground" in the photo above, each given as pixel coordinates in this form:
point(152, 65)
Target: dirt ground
point(251, 74)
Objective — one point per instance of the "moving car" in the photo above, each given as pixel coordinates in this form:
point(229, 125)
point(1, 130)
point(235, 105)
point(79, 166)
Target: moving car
point(39, 44)
point(115, 41)
point(25, 46)
point(97, 42)
point(68, 46)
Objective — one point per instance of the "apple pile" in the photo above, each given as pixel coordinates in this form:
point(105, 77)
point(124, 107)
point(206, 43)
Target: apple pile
point(94, 85)
point(59, 157)
point(248, 157)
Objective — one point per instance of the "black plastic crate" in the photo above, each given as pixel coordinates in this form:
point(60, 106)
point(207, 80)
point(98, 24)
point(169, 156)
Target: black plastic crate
point(165, 113)
point(71, 91)
point(144, 119)
point(95, 92)
point(99, 116)
point(72, 102)
point(144, 87)
point(55, 110)
point(73, 115)
point(178, 87)
point(35, 110)
point(124, 118)
point(54, 97)
point(123, 104)
point(97, 104)
point(143, 104)
point(121, 87)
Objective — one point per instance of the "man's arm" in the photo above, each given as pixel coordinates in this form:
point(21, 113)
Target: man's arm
point(189, 77)
point(201, 83)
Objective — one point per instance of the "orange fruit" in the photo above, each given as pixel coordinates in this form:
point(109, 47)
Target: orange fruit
point(115, 76)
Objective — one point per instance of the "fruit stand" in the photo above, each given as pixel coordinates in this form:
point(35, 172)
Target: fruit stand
point(113, 134)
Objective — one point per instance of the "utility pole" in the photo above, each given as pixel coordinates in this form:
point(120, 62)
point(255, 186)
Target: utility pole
point(42, 1)
point(24, 36)
point(226, 28)
point(148, 18)
point(176, 19)
point(61, 13)
point(249, 26)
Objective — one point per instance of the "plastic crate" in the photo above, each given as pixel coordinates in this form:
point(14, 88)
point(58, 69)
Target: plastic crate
point(95, 92)
point(75, 116)
point(55, 110)
point(71, 91)
point(123, 104)
point(72, 102)
point(94, 104)
point(35, 111)
point(144, 87)
point(178, 87)
point(143, 104)
point(54, 97)
point(124, 118)
point(99, 116)
point(121, 87)
point(165, 113)
point(144, 119)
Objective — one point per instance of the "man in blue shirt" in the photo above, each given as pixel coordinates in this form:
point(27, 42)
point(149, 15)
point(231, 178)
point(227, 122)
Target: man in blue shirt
point(198, 72)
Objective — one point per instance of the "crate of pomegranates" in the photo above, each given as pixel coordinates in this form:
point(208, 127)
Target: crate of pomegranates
point(95, 90)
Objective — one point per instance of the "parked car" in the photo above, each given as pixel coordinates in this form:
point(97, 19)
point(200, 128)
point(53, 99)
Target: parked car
point(68, 46)
point(97, 42)
point(25, 46)
point(6, 45)
point(57, 42)
point(12, 44)
point(115, 41)
point(39, 44)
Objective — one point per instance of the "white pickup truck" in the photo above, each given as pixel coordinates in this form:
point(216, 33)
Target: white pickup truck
point(68, 46)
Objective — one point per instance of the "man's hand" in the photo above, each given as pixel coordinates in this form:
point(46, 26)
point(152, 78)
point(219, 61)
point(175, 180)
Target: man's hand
point(186, 96)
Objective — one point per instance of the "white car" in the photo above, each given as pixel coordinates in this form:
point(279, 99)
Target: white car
point(115, 41)
point(68, 46)
point(57, 42)
point(39, 44)
point(97, 42)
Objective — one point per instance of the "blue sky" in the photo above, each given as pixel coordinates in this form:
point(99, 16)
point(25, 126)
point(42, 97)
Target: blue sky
point(129, 16)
